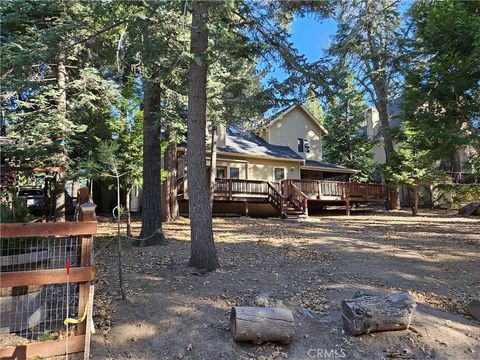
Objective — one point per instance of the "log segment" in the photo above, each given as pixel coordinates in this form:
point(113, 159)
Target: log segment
point(366, 314)
point(260, 324)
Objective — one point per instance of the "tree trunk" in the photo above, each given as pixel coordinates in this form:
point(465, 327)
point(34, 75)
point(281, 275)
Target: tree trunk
point(260, 324)
point(382, 107)
point(415, 200)
point(203, 252)
point(213, 164)
point(169, 186)
point(128, 209)
point(456, 166)
point(166, 186)
point(173, 173)
point(151, 193)
point(62, 114)
point(365, 314)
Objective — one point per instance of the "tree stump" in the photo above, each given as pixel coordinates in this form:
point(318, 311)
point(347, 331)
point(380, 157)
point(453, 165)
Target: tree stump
point(366, 314)
point(260, 324)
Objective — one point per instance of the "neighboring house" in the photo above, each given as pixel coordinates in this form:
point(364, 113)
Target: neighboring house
point(373, 127)
point(279, 162)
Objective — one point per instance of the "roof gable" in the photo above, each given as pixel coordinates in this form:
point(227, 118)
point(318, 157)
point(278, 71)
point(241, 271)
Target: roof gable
point(309, 116)
point(241, 141)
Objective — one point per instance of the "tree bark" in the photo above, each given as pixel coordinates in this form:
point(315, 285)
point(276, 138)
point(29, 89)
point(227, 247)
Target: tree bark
point(62, 114)
point(457, 165)
point(384, 118)
point(151, 193)
point(365, 314)
point(415, 200)
point(169, 186)
point(203, 252)
point(213, 164)
point(260, 324)
point(174, 212)
point(128, 209)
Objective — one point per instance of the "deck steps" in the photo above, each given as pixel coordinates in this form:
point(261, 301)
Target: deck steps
point(291, 210)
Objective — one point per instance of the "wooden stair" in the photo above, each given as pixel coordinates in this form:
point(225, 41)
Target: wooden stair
point(291, 210)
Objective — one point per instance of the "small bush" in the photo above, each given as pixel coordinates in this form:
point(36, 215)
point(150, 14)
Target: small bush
point(455, 195)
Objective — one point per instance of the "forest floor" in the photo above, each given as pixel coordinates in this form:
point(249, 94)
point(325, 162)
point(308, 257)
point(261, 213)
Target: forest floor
point(309, 266)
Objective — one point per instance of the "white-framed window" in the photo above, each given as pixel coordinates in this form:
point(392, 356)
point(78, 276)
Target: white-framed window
point(306, 145)
point(303, 145)
point(279, 173)
point(234, 172)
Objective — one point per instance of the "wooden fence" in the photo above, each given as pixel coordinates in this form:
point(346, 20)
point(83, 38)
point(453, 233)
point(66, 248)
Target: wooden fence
point(61, 241)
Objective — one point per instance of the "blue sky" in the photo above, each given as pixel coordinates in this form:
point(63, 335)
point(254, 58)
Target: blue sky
point(310, 37)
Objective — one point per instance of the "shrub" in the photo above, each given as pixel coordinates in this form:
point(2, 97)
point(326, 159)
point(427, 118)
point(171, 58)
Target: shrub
point(455, 195)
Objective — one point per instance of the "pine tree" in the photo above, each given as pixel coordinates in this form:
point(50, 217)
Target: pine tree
point(368, 38)
point(442, 93)
point(346, 142)
point(203, 253)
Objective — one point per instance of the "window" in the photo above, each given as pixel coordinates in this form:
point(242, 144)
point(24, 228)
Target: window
point(221, 172)
point(300, 145)
point(306, 145)
point(234, 173)
point(279, 174)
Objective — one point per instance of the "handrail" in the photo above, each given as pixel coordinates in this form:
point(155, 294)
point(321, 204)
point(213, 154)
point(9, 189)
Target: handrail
point(275, 198)
point(298, 198)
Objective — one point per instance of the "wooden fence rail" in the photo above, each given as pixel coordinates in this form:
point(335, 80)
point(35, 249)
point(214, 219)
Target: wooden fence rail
point(82, 273)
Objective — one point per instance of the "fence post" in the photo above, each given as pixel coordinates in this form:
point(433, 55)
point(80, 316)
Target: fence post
point(87, 213)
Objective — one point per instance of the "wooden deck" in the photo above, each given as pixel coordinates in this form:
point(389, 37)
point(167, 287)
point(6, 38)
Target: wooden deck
point(293, 196)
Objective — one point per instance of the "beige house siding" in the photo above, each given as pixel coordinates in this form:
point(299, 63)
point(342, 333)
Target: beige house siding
point(294, 125)
point(251, 167)
point(240, 164)
point(260, 169)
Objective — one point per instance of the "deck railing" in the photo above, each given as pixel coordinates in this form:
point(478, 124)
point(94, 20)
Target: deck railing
point(241, 187)
point(311, 189)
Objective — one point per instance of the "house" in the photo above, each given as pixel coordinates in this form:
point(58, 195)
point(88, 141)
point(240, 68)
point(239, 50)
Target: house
point(373, 129)
point(277, 170)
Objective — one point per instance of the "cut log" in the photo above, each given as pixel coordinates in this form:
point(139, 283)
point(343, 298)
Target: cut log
point(365, 314)
point(470, 209)
point(474, 309)
point(260, 324)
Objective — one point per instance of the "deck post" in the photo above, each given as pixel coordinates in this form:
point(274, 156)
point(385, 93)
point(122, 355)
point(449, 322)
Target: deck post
point(87, 213)
point(347, 206)
point(319, 189)
point(230, 191)
point(246, 207)
point(281, 207)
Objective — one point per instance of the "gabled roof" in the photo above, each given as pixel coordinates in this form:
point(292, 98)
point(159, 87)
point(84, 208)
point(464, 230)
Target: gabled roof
point(241, 141)
point(328, 166)
point(279, 116)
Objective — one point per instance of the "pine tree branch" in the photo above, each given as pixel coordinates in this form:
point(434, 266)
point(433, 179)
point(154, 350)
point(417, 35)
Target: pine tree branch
point(99, 32)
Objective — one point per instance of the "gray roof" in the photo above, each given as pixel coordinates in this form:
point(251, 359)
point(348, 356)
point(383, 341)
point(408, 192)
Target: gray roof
point(326, 165)
point(241, 141)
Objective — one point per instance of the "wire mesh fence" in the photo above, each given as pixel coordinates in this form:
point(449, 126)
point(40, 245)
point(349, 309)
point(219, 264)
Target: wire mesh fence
point(37, 312)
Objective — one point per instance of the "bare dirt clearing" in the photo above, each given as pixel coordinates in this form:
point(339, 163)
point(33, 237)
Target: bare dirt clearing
point(309, 266)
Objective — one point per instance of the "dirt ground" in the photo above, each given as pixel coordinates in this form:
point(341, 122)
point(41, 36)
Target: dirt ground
point(309, 266)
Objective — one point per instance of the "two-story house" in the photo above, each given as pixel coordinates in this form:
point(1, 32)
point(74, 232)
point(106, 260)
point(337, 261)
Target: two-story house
point(277, 169)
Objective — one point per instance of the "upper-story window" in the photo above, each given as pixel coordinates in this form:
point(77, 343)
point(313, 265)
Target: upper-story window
point(234, 173)
point(303, 145)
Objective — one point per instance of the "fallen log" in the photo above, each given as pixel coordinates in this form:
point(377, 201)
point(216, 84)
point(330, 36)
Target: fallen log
point(365, 314)
point(471, 209)
point(260, 324)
